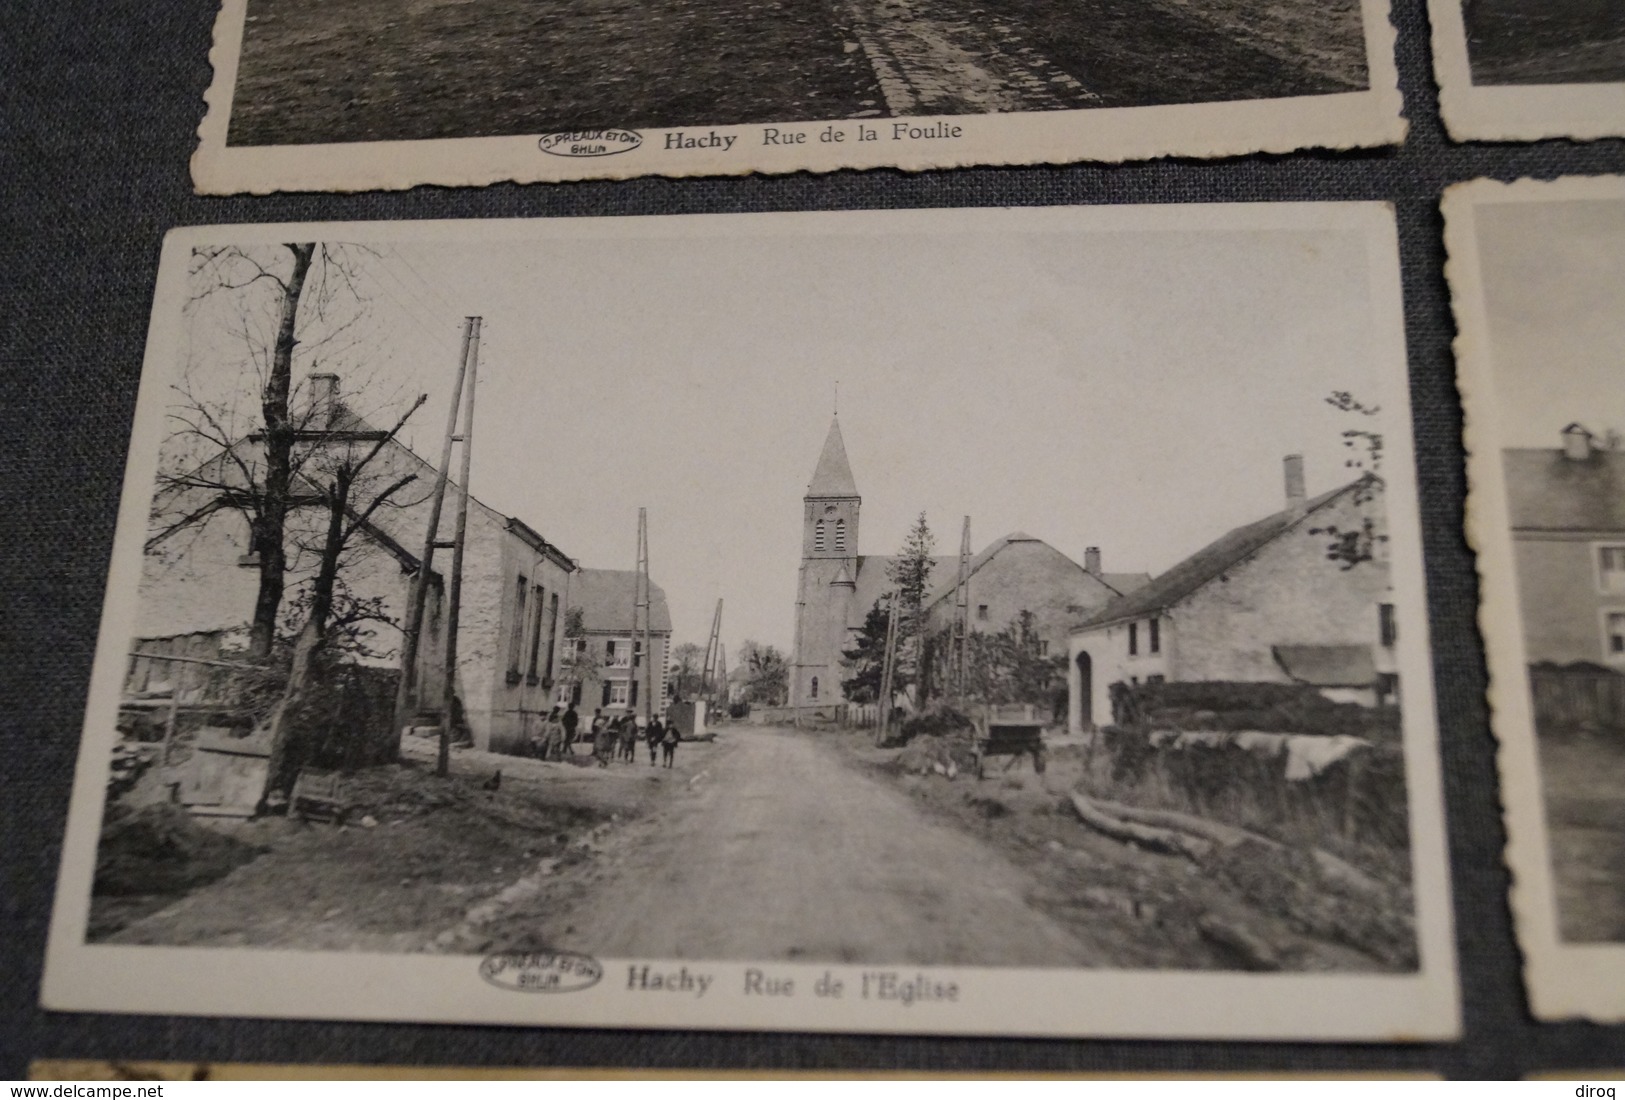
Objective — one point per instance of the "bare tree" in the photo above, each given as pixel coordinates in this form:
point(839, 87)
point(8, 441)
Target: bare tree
point(767, 676)
point(578, 667)
point(235, 444)
point(345, 477)
point(688, 673)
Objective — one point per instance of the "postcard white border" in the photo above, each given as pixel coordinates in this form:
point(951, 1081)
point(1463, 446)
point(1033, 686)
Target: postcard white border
point(1563, 980)
point(1336, 121)
point(1418, 1006)
point(1514, 112)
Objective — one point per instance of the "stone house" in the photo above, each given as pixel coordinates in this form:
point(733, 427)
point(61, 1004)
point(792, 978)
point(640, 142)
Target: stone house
point(1263, 603)
point(1019, 573)
point(1566, 506)
point(613, 671)
point(201, 582)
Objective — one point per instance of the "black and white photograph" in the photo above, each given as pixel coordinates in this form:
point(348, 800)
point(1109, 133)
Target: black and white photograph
point(1538, 276)
point(341, 97)
point(1002, 622)
point(1530, 69)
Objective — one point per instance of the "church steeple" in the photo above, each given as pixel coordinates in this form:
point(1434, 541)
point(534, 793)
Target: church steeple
point(832, 502)
point(833, 477)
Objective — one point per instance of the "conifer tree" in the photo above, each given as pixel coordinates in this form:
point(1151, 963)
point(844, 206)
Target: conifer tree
point(910, 575)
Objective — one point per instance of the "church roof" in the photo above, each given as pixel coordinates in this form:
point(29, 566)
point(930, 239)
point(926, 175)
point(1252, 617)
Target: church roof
point(833, 477)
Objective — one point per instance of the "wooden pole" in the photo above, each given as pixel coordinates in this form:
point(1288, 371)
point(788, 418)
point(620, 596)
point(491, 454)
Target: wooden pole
point(888, 662)
point(709, 670)
point(454, 594)
point(956, 670)
point(412, 632)
point(648, 614)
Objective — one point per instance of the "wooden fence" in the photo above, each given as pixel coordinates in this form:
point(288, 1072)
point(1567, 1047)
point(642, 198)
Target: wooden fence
point(1577, 697)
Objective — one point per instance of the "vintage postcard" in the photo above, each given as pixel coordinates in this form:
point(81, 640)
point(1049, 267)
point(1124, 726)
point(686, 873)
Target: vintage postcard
point(1002, 622)
point(309, 96)
point(1537, 278)
point(1522, 70)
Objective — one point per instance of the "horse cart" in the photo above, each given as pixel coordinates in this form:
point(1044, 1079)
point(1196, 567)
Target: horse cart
point(1012, 731)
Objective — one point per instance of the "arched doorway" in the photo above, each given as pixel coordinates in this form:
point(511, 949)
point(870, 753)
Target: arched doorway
point(1086, 691)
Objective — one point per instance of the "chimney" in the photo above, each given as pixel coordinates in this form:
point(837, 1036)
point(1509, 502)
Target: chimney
point(1577, 443)
point(1295, 495)
point(1091, 561)
point(324, 401)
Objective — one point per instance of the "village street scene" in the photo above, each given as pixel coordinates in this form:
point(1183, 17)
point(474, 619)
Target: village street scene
point(1561, 418)
point(378, 70)
point(928, 597)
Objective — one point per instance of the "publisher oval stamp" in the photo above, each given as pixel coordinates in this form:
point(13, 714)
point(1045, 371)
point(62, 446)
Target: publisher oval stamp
point(589, 143)
point(541, 972)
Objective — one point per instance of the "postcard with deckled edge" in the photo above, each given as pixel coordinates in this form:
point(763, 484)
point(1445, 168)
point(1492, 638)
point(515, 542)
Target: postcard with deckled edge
point(134, 1070)
point(312, 97)
point(1524, 70)
point(986, 622)
point(1535, 274)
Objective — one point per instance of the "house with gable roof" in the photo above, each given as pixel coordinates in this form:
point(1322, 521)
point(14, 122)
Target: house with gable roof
point(1566, 506)
point(1262, 603)
point(621, 671)
point(198, 586)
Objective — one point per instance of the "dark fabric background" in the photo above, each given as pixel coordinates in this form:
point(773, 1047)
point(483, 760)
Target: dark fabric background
point(101, 99)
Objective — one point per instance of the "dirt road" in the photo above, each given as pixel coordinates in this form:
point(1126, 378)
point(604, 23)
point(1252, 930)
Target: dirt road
point(778, 850)
point(383, 70)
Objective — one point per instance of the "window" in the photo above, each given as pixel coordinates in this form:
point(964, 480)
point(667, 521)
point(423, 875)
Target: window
point(1043, 648)
point(1133, 639)
point(1387, 630)
point(516, 633)
point(539, 607)
point(818, 537)
point(1611, 568)
point(617, 694)
point(617, 654)
point(1154, 635)
point(1387, 688)
point(981, 612)
point(552, 633)
point(813, 694)
point(1614, 635)
point(840, 534)
point(1154, 678)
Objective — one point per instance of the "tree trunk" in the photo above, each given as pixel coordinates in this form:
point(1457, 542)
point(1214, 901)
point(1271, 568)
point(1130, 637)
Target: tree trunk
point(287, 756)
point(272, 520)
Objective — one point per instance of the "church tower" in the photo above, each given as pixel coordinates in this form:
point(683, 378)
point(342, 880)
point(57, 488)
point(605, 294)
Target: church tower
point(828, 580)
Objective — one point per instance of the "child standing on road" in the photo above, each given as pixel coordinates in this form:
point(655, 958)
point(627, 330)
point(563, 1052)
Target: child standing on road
point(668, 745)
point(655, 734)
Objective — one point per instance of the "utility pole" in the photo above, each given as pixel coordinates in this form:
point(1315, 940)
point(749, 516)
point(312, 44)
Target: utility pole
point(956, 670)
point(795, 656)
point(454, 592)
point(412, 632)
point(888, 663)
point(648, 614)
point(712, 651)
point(640, 604)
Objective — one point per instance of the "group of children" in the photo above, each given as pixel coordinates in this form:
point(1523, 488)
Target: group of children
point(612, 738)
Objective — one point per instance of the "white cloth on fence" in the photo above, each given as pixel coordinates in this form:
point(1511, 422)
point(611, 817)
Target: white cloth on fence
point(1307, 755)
